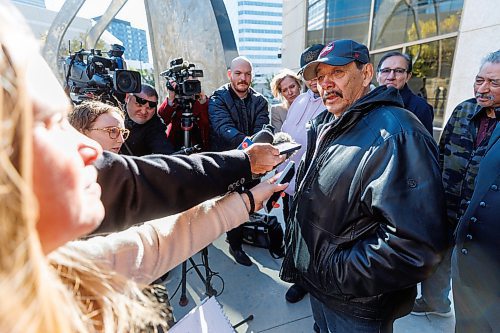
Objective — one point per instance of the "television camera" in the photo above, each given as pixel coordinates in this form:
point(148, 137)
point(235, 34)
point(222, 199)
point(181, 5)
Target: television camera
point(182, 79)
point(184, 75)
point(88, 75)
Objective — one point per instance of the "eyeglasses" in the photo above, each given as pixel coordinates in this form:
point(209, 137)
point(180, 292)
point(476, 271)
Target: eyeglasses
point(397, 71)
point(113, 131)
point(142, 101)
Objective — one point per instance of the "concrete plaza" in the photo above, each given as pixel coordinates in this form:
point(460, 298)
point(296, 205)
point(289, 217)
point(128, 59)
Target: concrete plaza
point(257, 290)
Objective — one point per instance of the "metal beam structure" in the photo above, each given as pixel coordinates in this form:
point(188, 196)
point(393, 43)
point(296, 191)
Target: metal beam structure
point(199, 31)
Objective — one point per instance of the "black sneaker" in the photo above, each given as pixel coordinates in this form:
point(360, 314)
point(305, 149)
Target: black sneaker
point(421, 308)
point(240, 256)
point(316, 328)
point(295, 293)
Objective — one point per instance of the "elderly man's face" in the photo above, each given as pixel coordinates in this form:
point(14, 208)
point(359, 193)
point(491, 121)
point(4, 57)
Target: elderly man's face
point(341, 86)
point(487, 85)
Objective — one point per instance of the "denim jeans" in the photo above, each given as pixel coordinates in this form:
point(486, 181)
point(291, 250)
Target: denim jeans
point(436, 288)
point(330, 321)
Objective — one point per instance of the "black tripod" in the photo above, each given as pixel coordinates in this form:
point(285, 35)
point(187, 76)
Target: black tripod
point(187, 124)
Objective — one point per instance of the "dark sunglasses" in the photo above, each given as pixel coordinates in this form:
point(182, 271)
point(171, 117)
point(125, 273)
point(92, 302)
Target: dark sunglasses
point(142, 101)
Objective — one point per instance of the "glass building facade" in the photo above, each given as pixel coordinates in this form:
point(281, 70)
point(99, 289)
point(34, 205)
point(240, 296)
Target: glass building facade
point(425, 29)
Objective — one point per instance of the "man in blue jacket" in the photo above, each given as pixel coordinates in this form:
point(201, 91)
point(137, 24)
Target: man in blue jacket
point(236, 111)
point(367, 222)
point(395, 70)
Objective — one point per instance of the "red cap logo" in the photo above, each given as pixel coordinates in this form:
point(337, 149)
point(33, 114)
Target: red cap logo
point(327, 49)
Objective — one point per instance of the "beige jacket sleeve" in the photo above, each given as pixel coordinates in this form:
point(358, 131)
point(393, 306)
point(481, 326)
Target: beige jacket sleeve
point(278, 116)
point(145, 252)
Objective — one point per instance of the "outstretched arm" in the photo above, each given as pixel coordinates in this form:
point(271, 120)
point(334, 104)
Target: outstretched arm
point(146, 252)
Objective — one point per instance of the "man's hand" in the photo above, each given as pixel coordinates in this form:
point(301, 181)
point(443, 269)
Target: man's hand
point(202, 98)
point(263, 157)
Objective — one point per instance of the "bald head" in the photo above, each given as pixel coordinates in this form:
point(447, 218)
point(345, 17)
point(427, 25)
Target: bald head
point(240, 76)
point(238, 61)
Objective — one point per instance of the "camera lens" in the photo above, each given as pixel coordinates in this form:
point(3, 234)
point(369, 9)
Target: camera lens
point(127, 81)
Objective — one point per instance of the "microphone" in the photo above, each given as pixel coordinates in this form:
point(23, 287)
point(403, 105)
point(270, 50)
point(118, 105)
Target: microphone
point(265, 135)
point(281, 137)
point(286, 144)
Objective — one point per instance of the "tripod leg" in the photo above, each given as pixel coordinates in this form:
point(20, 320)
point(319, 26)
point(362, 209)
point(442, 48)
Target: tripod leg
point(209, 291)
point(247, 319)
point(183, 301)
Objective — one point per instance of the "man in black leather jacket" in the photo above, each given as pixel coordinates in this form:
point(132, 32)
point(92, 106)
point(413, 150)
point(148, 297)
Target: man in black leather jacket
point(367, 222)
point(236, 111)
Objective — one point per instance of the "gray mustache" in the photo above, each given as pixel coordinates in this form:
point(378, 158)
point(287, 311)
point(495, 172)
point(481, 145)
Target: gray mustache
point(480, 95)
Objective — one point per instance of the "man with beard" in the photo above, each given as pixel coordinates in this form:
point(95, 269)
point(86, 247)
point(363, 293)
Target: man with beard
point(236, 111)
point(367, 221)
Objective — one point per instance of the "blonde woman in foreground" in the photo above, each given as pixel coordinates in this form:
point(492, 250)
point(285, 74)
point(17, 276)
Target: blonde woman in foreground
point(49, 197)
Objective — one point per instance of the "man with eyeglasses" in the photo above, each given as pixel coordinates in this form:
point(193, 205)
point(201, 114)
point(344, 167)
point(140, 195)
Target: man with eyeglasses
point(147, 130)
point(367, 218)
point(395, 70)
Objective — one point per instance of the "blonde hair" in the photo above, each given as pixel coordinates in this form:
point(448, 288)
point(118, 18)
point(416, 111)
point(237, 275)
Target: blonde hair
point(276, 83)
point(65, 291)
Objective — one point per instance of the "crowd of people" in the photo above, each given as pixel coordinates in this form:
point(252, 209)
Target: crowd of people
point(97, 205)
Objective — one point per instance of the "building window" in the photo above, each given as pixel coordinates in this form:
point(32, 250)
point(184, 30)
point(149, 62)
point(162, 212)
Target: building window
point(397, 22)
point(347, 19)
point(425, 29)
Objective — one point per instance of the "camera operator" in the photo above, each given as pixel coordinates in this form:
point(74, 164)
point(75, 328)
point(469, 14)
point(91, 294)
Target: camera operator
point(147, 130)
point(171, 113)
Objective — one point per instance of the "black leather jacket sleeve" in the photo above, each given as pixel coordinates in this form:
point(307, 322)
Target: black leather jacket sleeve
point(399, 250)
point(137, 189)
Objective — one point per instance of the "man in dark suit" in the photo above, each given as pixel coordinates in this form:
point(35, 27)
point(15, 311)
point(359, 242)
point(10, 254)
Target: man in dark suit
point(476, 259)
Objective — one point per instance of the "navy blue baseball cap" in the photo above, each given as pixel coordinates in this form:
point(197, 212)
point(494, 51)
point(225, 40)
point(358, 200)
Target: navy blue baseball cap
point(338, 53)
point(309, 54)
